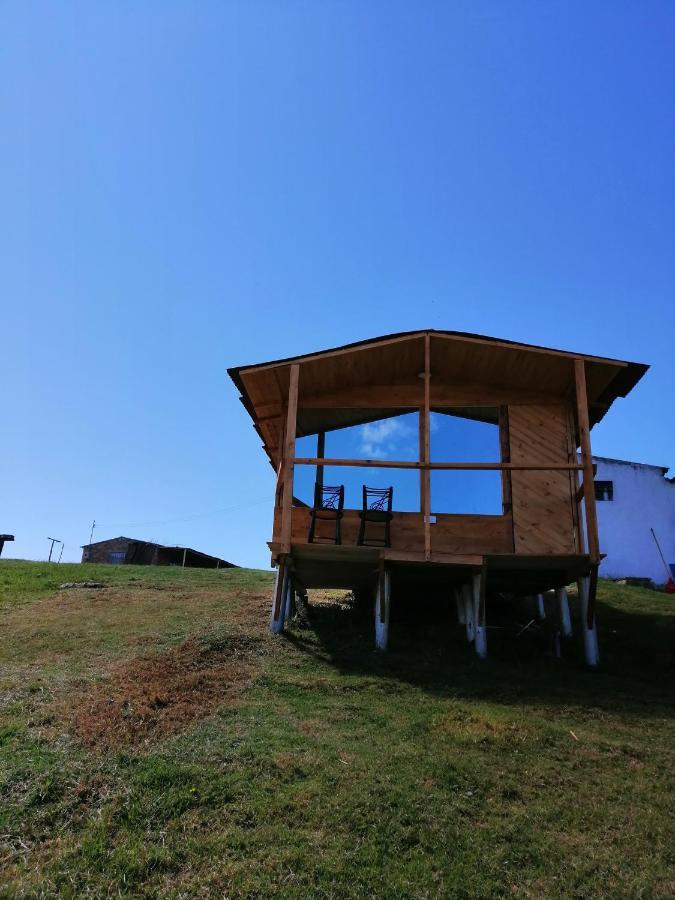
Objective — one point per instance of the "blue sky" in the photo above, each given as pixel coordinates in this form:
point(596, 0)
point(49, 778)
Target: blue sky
point(190, 186)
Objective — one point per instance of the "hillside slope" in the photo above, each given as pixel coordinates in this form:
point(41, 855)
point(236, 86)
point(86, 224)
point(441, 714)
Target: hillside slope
point(155, 740)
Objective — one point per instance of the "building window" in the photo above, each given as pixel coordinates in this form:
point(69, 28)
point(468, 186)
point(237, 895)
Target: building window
point(604, 490)
point(117, 557)
point(466, 434)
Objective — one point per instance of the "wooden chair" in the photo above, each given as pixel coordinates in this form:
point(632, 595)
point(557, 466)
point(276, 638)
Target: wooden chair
point(376, 511)
point(328, 506)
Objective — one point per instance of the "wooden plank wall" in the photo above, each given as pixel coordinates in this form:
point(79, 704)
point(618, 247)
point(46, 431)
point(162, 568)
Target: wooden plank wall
point(542, 501)
point(455, 534)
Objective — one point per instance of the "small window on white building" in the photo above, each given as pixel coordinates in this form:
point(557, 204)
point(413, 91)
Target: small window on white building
point(604, 490)
point(117, 557)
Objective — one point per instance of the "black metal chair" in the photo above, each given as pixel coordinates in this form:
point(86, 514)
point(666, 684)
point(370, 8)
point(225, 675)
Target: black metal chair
point(328, 506)
point(376, 511)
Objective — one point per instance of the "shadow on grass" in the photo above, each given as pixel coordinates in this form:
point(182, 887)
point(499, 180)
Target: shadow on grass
point(428, 649)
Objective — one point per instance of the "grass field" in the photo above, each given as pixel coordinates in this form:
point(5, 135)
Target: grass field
point(156, 741)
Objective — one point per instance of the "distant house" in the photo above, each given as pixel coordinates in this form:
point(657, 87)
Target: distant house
point(631, 499)
point(119, 550)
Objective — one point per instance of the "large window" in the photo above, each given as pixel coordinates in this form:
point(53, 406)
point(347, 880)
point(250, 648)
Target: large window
point(468, 434)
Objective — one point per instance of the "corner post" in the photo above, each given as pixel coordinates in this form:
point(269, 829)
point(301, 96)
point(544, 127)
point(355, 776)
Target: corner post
point(288, 458)
point(586, 460)
point(564, 611)
point(590, 634)
point(480, 640)
point(382, 605)
point(425, 473)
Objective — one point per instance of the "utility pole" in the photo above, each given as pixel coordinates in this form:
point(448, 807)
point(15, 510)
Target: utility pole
point(61, 553)
point(93, 525)
point(54, 541)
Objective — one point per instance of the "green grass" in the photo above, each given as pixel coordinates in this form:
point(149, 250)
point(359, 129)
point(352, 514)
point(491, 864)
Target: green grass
point(339, 772)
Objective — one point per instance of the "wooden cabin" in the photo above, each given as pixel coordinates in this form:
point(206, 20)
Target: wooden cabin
point(539, 535)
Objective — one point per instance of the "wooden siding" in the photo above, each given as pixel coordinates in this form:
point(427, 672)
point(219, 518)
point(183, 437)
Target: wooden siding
point(452, 534)
point(542, 501)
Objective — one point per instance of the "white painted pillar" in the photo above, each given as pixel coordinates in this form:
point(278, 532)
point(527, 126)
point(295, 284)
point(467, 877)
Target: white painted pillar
point(541, 607)
point(277, 622)
point(382, 604)
point(469, 618)
point(459, 603)
point(289, 603)
point(564, 611)
point(590, 635)
point(480, 641)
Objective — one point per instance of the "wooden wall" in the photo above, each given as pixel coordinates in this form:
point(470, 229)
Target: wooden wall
point(542, 501)
point(451, 533)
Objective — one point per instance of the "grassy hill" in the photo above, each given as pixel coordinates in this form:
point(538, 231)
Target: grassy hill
point(155, 740)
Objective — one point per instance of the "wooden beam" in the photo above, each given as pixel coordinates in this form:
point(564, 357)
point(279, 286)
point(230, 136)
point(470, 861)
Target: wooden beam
point(505, 455)
point(288, 458)
point(426, 474)
point(327, 354)
point(402, 464)
point(411, 395)
point(528, 348)
point(320, 452)
point(586, 460)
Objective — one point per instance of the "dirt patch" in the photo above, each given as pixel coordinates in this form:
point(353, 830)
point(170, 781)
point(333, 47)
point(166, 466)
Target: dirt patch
point(146, 698)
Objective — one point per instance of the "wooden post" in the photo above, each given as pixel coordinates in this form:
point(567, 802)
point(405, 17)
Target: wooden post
point(586, 460)
point(184, 555)
point(469, 611)
point(425, 458)
point(505, 457)
point(320, 452)
point(564, 611)
point(590, 634)
point(480, 626)
point(288, 457)
point(382, 605)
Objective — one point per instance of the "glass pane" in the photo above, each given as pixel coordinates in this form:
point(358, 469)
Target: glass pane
point(467, 434)
point(470, 492)
point(395, 437)
point(457, 438)
point(405, 482)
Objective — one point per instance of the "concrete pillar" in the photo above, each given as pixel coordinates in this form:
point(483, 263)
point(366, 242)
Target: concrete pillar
point(480, 633)
point(541, 607)
point(382, 604)
point(564, 611)
point(459, 603)
point(469, 617)
point(590, 635)
point(289, 604)
point(279, 599)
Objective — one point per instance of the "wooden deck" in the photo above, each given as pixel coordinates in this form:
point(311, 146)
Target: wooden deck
point(357, 568)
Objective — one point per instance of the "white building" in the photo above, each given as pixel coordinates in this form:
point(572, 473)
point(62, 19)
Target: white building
point(633, 498)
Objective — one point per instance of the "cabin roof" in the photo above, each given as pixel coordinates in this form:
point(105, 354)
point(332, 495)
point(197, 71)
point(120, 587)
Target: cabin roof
point(395, 360)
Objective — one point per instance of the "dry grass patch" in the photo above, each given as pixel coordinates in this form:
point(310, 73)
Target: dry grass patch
point(144, 699)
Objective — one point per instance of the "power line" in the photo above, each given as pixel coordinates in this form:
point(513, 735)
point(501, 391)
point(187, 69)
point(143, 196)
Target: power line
point(215, 512)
